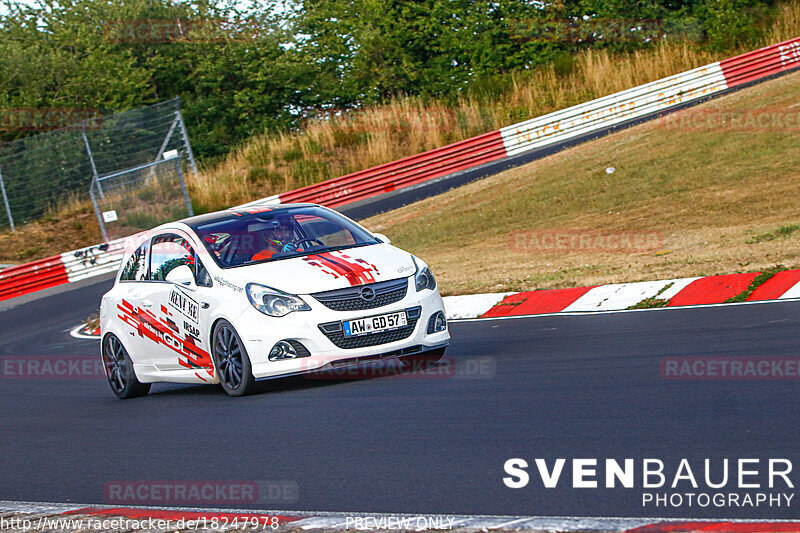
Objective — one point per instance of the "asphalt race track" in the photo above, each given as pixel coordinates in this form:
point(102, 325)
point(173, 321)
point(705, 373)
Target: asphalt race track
point(558, 386)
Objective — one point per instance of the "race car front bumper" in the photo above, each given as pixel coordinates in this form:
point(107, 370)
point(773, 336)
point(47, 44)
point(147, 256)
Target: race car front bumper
point(318, 334)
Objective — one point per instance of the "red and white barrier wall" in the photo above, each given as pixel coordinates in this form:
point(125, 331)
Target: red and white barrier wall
point(60, 269)
point(646, 100)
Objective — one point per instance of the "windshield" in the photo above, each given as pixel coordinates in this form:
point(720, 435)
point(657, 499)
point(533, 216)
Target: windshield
point(279, 234)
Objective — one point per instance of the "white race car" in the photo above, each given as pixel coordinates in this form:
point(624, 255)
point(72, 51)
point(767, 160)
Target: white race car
point(244, 295)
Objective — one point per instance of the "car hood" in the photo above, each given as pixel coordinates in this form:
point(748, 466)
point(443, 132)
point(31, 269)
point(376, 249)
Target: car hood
point(329, 270)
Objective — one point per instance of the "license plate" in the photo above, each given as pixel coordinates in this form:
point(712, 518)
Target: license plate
point(374, 324)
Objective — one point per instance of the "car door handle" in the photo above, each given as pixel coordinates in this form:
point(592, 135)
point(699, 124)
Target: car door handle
point(146, 303)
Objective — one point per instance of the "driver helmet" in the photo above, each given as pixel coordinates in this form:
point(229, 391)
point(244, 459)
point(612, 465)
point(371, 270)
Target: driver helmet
point(280, 233)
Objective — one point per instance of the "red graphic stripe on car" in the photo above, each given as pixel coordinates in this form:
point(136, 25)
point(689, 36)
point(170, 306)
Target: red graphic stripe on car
point(368, 267)
point(339, 268)
point(356, 273)
point(150, 327)
point(311, 260)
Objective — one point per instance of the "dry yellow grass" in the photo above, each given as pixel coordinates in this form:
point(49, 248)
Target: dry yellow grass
point(707, 192)
point(68, 227)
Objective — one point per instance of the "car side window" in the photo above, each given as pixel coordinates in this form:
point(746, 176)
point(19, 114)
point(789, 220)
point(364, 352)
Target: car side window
point(136, 267)
point(202, 276)
point(167, 252)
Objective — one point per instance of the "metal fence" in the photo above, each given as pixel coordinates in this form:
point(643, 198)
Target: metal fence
point(41, 172)
point(137, 199)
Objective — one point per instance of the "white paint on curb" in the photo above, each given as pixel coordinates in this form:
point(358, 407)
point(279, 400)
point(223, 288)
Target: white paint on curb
point(678, 286)
point(76, 332)
point(623, 295)
point(617, 296)
point(471, 305)
point(793, 292)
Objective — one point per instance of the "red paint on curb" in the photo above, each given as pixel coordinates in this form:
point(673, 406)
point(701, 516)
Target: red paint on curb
point(86, 330)
point(776, 286)
point(726, 527)
point(536, 302)
point(713, 289)
point(127, 512)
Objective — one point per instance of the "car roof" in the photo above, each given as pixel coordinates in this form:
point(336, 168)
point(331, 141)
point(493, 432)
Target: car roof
point(235, 212)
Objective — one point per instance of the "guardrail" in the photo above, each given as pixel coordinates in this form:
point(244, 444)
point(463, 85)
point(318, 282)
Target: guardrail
point(60, 269)
point(31, 277)
point(648, 100)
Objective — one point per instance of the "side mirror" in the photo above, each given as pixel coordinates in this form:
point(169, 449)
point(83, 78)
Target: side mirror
point(183, 276)
point(381, 237)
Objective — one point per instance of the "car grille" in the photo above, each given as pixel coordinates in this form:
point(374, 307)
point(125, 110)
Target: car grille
point(335, 332)
point(349, 299)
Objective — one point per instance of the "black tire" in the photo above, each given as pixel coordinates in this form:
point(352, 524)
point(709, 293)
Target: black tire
point(119, 369)
point(423, 360)
point(231, 360)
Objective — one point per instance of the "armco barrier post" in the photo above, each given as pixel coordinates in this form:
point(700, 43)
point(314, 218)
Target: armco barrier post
point(184, 189)
point(97, 211)
point(167, 138)
point(185, 136)
point(91, 159)
point(5, 201)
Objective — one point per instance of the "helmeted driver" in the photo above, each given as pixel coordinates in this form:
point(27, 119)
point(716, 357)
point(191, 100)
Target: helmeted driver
point(277, 238)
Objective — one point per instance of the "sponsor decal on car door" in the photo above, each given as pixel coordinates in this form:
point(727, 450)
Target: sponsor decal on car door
point(167, 344)
point(180, 312)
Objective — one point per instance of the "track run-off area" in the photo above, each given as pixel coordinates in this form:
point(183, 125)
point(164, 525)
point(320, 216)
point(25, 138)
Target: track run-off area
point(436, 442)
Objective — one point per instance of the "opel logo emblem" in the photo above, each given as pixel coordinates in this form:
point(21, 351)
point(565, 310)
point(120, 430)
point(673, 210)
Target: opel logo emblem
point(367, 294)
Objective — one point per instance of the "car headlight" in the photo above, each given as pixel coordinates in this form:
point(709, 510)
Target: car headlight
point(273, 302)
point(423, 278)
